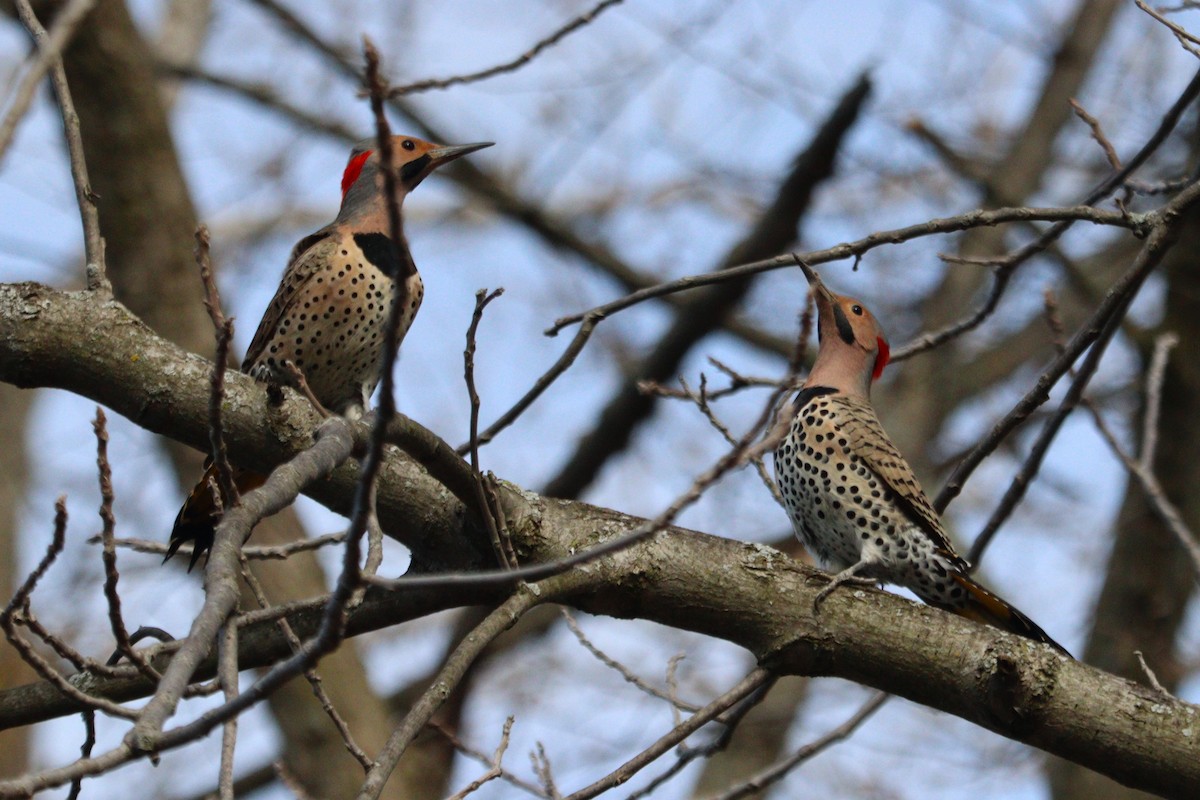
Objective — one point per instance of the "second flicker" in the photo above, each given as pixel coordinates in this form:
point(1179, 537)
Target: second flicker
point(852, 498)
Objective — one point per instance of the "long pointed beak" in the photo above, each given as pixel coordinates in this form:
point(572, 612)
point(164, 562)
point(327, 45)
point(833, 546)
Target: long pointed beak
point(814, 280)
point(446, 154)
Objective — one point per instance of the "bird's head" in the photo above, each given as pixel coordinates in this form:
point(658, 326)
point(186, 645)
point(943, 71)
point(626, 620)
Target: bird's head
point(413, 159)
point(853, 349)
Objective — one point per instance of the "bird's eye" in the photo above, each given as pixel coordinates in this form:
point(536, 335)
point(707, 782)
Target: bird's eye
point(857, 309)
point(408, 144)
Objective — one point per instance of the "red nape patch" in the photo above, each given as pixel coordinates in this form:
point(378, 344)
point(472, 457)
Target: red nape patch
point(881, 358)
point(353, 170)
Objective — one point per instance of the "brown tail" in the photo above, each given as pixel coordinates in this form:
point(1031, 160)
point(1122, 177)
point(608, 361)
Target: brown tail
point(197, 519)
point(984, 606)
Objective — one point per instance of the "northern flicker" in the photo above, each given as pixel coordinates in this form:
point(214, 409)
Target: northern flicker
point(328, 315)
point(852, 498)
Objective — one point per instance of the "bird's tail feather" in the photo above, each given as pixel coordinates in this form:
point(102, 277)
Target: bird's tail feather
point(984, 606)
point(197, 519)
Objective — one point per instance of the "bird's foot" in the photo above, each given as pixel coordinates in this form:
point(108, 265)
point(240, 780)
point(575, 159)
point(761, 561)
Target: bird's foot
point(846, 576)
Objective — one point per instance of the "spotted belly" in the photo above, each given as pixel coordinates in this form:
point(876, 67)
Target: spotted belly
point(334, 332)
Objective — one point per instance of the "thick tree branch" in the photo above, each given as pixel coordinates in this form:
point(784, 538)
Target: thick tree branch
point(747, 594)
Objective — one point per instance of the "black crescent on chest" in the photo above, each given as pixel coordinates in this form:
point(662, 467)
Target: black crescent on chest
point(381, 251)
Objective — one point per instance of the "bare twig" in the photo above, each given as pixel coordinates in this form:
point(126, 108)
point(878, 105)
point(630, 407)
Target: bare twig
point(493, 516)
point(301, 385)
point(1142, 471)
point(1107, 314)
point(310, 675)
point(89, 741)
point(93, 244)
point(1150, 676)
point(1004, 271)
point(779, 770)
point(1110, 152)
point(496, 770)
point(486, 760)
point(289, 781)
point(48, 50)
point(109, 551)
point(676, 735)
point(623, 670)
point(1186, 40)
point(731, 720)
point(702, 401)
point(224, 334)
point(544, 772)
point(933, 227)
point(447, 680)
point(333, 445)
point(1037, 453)
point(276, 552)
point(227, 675)
point(1155, 377)
point(20, 601)
point(540, 385)
point(510, 66)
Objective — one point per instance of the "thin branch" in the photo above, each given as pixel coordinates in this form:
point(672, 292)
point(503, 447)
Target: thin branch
point(333, 445)
point(89, 741)
point(483, 758)
point(620, 668)
point(1110, 152)
point(779, 770)
point(496, 770)
point(66, 22)
point(1155, 378)
point(1009, 264)
point(448, 678)
point(227, 675)
point(1142, 469)
point(1186, 40)
point(1037, 453)
point(20, 602)
point(224, 333)
point(687, 755)
point(972, 219)
point(491, 519)
point(583, 20)
point(676, 735)
point(1150, 676)
point(108, 552)
point(540, 385)
point(545, 772)
point(1163, 235)
point(314, 680)
point(93, 243)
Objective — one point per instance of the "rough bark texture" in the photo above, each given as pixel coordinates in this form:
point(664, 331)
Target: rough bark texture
point(749, 594)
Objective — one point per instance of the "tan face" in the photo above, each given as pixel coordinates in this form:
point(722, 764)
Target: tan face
point(413, 158)
point(855, 325)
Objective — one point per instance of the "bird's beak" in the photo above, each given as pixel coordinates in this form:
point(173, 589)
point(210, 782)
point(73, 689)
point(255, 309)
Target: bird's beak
point(814, 280)
point(447, 153)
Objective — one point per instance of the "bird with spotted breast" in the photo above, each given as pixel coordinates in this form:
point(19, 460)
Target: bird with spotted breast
point(851, 496)
point(328, 315)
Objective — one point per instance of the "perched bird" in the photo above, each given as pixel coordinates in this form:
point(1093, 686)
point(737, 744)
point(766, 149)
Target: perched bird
point(852, 498)
point(328, 315)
